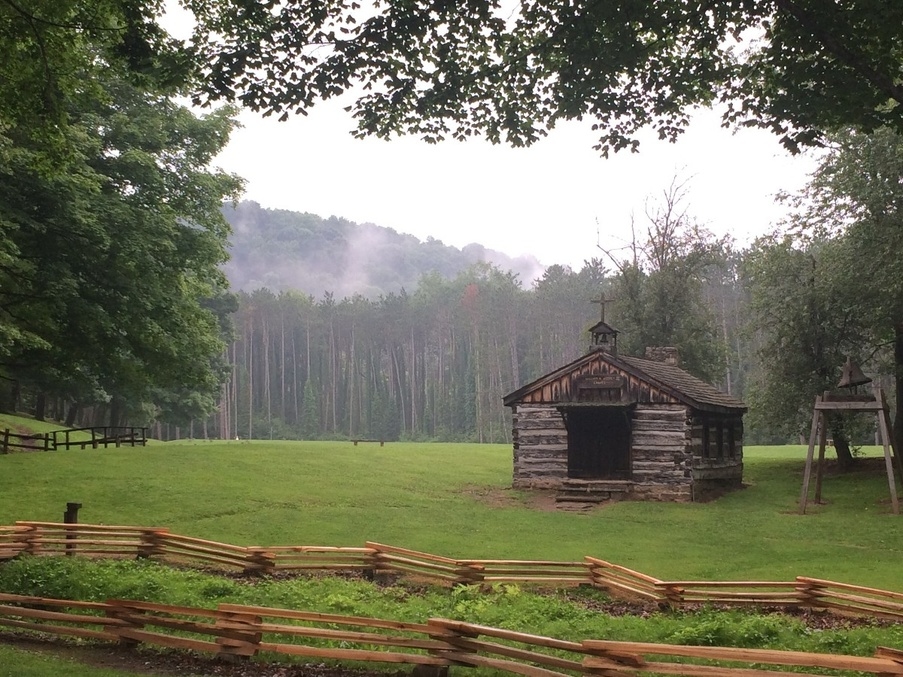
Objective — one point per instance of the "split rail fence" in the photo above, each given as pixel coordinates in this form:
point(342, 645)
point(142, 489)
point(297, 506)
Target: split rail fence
point(100, 436)
point(93, 540)
point(245, 631)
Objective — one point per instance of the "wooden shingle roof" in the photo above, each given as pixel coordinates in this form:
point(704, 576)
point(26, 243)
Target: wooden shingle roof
point(683, 382)
point(666, 382)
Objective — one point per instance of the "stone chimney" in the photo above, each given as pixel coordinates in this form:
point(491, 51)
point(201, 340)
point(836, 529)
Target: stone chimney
point(665, 354)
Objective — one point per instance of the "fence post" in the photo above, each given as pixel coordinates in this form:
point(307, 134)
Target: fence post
point(469, 573)
point(674, 595)
point(71, 517)
point(241, 633)
point(151, 543)
point(128, 621)
point(259, 561)
point(444, 633)
point(31, 539)
point(807, 593)
point(5, 447)
point(46, 441)
point(372, 561)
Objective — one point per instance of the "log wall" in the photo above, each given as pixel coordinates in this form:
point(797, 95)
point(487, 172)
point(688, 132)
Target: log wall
point(540, 447)
point(672, 456)
point(661, 449)
point(717, 457)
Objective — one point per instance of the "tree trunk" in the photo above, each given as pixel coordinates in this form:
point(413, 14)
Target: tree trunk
point(15, 396)
point(40, 407)
point(115, 412)
point(842, 447)
point(72, 414)
point(898, 387)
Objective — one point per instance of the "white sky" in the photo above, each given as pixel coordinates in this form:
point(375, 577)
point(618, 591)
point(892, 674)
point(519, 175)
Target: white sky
point(545, 200)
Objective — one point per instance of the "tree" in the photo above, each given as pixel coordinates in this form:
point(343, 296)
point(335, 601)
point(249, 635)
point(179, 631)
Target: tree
point(659, 286)
point(110, 288)
point(441, 70)
point(855, 200)
point(54, 51)
point(807, 316)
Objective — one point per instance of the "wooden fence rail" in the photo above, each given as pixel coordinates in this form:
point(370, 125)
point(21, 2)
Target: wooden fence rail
point(92, 540)
point(32, 442)
point(623, 582)
point(734, 593)
point(103, 436)
point(240, 630)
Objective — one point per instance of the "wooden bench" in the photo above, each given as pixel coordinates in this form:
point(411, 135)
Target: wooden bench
point(381, 442)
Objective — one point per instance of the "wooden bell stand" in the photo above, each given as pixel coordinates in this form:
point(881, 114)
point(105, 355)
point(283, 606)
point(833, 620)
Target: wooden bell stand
point(832, 402)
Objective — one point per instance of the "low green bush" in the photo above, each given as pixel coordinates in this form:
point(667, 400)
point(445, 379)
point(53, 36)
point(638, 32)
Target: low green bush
point(566, 615)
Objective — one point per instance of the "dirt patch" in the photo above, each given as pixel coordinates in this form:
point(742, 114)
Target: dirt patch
point(506, 497)
point(873, 465)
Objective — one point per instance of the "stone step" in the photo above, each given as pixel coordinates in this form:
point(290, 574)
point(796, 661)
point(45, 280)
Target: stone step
point(583, 494)
point(593, 486)
point(576, 507)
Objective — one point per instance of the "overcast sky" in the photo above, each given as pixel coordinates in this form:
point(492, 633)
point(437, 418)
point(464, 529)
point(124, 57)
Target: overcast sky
point(545, 200)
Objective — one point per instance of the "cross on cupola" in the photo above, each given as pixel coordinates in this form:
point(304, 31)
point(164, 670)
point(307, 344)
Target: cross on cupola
point(605, 337)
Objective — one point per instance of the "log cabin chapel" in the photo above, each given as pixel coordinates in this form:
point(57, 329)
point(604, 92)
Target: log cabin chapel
point(609, 426)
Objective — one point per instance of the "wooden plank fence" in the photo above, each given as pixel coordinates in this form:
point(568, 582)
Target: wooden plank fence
point(733, 593)
point(101, 436)
point(245, 631)
point(93, 540)
point(30, 442)
point(620, 581)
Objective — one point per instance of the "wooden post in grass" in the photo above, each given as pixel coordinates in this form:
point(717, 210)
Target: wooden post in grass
point(71, 517)
point(4, 449)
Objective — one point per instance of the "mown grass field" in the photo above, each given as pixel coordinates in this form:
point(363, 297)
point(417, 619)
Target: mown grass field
point(454, 499)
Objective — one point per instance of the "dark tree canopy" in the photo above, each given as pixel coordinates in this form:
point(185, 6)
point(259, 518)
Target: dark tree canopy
point(511, 71)
point(111, 232)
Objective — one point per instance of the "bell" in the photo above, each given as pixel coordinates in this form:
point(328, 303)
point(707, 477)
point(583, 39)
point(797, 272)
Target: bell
point(852, 375)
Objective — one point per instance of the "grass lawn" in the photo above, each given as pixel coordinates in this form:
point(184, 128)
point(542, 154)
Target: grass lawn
point(455, 500)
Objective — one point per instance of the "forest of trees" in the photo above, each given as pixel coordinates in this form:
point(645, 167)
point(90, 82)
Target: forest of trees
point(114, 304)
point(434, 363)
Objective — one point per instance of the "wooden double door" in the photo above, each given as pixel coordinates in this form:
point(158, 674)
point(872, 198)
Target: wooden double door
point(598, 442)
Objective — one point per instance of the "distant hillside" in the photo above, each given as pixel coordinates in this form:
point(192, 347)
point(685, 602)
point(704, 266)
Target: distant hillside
point(280, 249)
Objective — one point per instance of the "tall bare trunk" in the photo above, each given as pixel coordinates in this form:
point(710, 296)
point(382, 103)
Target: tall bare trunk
point(898, 387)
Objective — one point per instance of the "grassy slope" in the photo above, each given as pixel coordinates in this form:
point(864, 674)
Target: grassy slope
point(429, 497)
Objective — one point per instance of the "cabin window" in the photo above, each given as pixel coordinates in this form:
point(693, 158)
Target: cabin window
point(719, 437)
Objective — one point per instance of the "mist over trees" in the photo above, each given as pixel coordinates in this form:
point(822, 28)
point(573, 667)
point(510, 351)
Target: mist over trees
point(433, 360)
point(284, 250)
